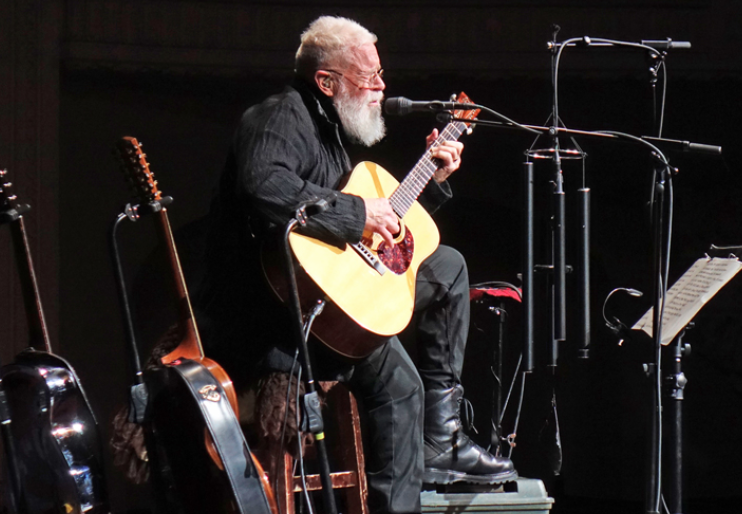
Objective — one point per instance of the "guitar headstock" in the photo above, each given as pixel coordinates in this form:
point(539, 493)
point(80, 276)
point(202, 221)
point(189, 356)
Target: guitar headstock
point(465, 114)
point(10, 209)
point(7, 199)
point(136, 169)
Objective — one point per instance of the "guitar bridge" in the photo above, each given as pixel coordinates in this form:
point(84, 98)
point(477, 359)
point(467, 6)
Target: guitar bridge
point(369, 257)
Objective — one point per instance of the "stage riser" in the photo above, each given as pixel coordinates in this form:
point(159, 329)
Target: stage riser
point(525, 495)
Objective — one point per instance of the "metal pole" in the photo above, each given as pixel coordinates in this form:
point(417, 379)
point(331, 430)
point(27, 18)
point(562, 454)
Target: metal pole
point(528, 267)
point(584, 273)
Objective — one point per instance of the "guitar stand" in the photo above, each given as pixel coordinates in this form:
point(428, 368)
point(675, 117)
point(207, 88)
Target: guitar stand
point(138, 392)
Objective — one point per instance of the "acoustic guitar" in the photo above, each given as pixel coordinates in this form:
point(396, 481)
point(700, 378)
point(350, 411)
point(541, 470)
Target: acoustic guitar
point(370, 284)
point(201, 461)
point(55, 435)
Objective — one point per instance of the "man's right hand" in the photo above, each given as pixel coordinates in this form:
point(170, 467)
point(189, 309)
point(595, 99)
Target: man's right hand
point(381, 219)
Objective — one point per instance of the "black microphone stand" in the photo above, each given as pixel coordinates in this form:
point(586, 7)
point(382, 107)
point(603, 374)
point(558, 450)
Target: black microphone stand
point(662, 232)
point(311, 399)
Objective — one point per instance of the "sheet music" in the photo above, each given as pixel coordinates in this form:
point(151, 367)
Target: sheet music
point(691, 292)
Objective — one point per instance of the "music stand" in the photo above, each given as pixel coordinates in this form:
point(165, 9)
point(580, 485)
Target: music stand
point(706, 277)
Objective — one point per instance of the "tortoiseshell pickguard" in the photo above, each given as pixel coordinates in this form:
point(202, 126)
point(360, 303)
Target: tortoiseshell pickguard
point(399, 257)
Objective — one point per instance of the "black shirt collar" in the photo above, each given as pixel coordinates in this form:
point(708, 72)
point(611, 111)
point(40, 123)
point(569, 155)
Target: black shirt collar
point(320, 105)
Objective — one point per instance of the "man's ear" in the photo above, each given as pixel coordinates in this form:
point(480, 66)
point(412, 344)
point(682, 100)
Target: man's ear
point(323, 79)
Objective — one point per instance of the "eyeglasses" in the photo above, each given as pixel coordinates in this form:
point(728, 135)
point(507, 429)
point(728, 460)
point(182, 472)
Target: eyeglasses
point(369, 78)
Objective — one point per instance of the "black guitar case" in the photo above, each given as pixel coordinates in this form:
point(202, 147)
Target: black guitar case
point(185, 400)
point(55, 437)
point(54, 452)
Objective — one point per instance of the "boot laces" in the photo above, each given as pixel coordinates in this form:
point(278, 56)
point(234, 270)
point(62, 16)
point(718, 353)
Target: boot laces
point(468, 414)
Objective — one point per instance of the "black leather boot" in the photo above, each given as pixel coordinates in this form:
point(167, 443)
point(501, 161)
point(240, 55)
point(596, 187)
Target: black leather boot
point(450, 456)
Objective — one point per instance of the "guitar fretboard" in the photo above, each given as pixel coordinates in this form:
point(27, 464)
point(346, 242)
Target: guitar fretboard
point(411, 187)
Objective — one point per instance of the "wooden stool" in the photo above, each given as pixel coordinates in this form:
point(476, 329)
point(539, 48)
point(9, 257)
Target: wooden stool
point(347, 450)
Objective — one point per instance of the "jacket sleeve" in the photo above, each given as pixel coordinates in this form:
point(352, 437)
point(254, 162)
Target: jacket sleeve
point(275, 157)
point(434, 195)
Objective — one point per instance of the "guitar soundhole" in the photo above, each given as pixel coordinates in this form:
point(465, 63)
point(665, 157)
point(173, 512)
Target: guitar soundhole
point(398, 257)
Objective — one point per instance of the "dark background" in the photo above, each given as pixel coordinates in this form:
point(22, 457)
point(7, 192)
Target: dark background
point(78, 75)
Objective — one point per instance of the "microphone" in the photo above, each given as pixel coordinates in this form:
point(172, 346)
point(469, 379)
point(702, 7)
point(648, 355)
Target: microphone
point(685, 146)
point(666, 44)
point(401, 106)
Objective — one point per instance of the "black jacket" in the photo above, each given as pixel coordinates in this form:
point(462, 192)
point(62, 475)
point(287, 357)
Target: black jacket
point(287, 150)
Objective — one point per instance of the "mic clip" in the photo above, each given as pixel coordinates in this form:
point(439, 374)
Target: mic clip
point(313, 207)
point(444, 117)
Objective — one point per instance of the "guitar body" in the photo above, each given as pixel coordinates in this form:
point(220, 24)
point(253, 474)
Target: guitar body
point(367, 306)
point(371, 287)
point(55, 436)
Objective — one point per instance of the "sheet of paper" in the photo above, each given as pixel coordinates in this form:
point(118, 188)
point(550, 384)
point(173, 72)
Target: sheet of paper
point(691, 292)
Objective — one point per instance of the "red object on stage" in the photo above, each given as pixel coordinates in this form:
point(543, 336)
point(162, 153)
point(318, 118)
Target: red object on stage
point(497, 292)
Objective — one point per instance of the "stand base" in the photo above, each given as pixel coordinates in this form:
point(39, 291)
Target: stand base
point(522, 495)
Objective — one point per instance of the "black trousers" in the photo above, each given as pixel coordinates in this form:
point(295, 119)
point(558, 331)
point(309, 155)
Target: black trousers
point(391, 388)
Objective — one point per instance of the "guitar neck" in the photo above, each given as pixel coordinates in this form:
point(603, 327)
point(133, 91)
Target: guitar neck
point(37, 328)
point(190, 346)
point(414, 183)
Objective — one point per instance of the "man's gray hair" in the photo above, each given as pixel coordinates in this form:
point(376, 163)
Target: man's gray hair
point(325, 42)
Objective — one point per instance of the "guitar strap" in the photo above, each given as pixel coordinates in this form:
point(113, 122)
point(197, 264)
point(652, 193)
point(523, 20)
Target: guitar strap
point(228, 437)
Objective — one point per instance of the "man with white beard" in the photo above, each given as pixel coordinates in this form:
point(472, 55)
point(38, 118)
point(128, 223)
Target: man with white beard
point(290, 149)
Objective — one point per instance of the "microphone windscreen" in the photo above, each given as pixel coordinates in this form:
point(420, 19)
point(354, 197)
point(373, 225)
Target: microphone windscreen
point(397, 105)
point(700, 148)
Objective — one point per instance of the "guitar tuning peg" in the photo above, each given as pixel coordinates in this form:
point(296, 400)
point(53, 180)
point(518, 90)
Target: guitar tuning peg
point(453, 97)
point(469, 130)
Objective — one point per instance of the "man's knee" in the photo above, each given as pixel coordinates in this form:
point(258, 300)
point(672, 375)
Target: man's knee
point(445, 266)
point(451, 255)
point(388, 376)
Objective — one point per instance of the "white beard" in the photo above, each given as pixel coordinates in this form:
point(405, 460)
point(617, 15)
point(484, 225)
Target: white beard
point(361, 122)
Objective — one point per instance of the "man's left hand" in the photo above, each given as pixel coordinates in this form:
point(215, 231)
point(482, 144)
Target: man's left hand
point(448, 154)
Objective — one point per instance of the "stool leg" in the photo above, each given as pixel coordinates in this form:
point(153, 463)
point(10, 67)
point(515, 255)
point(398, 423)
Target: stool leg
point(286, 486)
point(351, 448)
point(349, 444)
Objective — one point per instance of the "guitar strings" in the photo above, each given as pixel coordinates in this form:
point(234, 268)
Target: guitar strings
point(411, 187)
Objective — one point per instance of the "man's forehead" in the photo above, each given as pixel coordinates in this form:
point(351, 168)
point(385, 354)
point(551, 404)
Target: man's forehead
point(364, 57)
